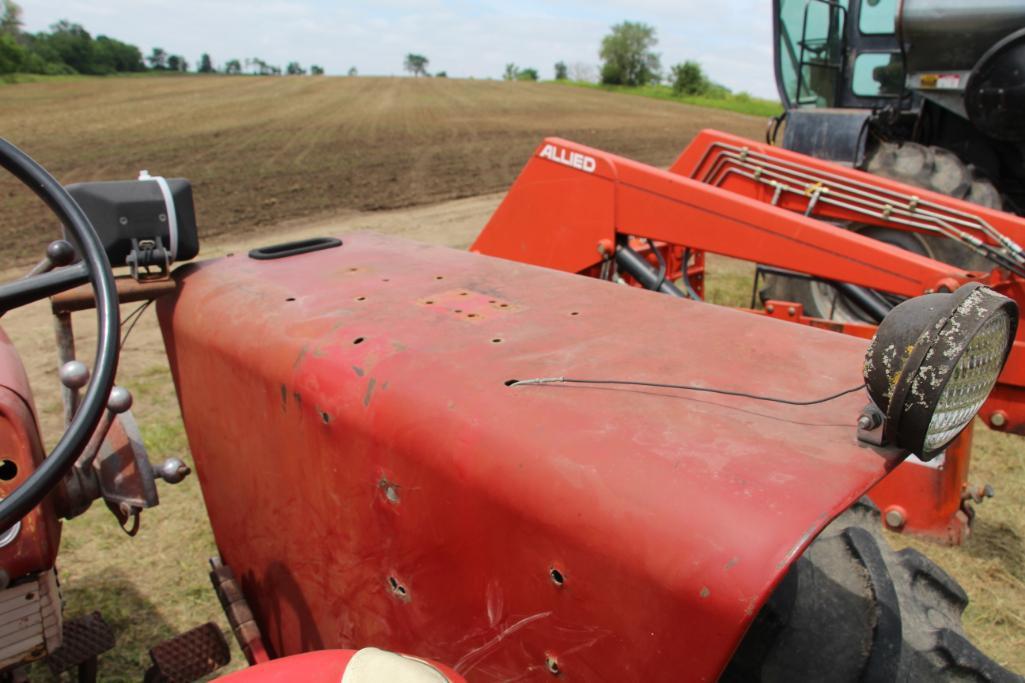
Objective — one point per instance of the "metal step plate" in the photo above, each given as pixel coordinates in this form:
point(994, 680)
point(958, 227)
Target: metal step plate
point(189, 656)
point(85, 637)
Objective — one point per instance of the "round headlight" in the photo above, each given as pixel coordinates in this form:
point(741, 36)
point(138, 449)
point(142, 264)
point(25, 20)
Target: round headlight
point(933, 362)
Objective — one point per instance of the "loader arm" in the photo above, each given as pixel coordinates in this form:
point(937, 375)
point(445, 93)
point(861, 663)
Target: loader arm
point(832, 192)
point(572, 205)
point(571, 210)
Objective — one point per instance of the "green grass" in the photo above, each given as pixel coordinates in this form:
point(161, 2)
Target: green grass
point(16, 79)
point(20, 78)
point(742, 103)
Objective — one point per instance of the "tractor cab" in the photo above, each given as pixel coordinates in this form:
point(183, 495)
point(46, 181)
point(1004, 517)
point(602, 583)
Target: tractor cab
point(836, 53)
point(942, 73)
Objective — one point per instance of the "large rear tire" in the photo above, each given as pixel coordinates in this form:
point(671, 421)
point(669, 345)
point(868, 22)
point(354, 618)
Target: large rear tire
point(932, 168)
point(853, 609)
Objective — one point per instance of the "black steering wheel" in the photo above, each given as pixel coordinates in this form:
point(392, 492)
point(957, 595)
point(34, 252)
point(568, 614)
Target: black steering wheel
point(94, 267)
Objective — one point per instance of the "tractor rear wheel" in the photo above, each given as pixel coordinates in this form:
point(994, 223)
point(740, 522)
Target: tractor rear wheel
point(852, 609)
point(932, 168)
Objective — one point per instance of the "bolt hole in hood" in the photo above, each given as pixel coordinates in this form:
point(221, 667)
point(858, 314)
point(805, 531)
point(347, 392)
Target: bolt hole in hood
point(669, 515)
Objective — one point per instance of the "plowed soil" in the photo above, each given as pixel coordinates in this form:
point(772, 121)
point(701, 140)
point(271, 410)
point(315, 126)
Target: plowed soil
point(263, 150)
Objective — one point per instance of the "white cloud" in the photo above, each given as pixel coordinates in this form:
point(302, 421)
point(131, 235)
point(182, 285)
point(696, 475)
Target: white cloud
point(732, 39)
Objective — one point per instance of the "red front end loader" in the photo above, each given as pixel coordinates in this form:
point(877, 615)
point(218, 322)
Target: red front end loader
point(584, 211)
point(513, 472)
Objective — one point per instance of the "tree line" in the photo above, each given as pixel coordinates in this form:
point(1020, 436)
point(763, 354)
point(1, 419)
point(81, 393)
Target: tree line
point(628, 59)
point(627, 53)
point(67, 48)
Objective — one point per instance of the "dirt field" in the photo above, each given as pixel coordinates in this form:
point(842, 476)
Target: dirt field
point(337, 160)
point(262, 150)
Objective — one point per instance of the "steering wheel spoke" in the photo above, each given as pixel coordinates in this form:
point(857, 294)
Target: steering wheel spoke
point(35, 287)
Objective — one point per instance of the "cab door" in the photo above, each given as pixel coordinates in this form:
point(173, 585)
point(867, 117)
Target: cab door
point(837, 53)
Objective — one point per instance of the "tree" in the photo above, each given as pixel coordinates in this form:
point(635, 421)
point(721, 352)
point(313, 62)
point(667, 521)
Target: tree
point(258, 66)
point(511, 72)
point(12, 55)
point(441, 74)
point(72, 45)
point(205, 65)
point(316, 70)
point(177, 63)
point(352, 72)
point(627, 55)
point(112, 56)
point(233, 67)
point(157, 59)
point(689, 79)
point(294, 69)
point(10, 19)
point(416, 64)
point(561, 72)
point(528, 74)
point(66, 49)
point(583, 72)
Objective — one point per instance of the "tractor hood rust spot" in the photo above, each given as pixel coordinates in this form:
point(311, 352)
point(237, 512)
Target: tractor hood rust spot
point(643, 496)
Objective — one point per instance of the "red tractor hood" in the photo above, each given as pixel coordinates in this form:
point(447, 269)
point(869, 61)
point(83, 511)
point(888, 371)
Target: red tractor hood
point(374, 481)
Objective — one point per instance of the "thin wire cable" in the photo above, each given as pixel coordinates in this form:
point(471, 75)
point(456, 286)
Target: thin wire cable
point(135, 312)
point(688, 387)
point(133, 317)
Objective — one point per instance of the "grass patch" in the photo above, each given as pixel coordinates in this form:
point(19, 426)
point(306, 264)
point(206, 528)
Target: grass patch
point(18, 78)
point(742, 103)
point(728, 281)
point(15, 79)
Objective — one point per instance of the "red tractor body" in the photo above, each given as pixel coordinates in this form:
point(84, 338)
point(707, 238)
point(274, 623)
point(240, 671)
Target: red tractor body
point(34, 548)
point(372, 479)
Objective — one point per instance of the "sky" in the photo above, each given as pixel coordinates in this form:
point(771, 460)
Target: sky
point(732, 39)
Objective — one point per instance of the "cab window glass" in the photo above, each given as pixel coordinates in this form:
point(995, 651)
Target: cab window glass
point(877, 74)
point(810, 49)
point(878, 17)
